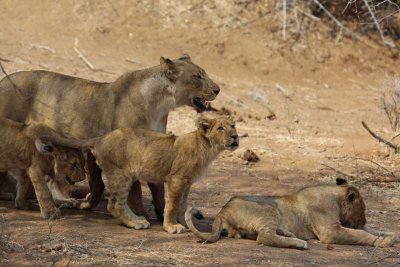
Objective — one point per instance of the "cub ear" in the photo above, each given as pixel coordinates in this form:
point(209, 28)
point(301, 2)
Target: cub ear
point(185, 57)
point(203, 124)
point(341, 181)
point(352, 194)
point(44, 148)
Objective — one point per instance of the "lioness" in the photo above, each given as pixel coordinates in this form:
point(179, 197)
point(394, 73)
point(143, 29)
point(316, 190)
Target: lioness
point(127, 155)
point(333, 214)
point(85, 109)
point(21, 150)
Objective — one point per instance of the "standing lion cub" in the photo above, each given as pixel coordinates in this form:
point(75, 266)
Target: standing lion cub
point(333, 214)
point(127, 155)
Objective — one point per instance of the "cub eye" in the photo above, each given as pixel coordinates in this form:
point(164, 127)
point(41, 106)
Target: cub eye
point(74, 164)
point(220, 128)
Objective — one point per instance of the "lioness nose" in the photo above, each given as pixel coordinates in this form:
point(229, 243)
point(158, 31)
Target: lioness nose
point(234, 136)
point(216, 90)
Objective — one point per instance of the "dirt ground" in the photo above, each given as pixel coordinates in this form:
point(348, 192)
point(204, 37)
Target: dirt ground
point(319, 86)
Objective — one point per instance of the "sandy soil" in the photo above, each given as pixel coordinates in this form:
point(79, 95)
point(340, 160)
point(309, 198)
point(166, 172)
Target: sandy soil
point(327, 86)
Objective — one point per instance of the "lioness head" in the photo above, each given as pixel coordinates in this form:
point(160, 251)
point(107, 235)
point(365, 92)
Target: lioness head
point(352, 209)
point(68, 162)
point(192, 84)
point(221, 132)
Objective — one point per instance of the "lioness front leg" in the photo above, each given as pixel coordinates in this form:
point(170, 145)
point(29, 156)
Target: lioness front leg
point(158, 195)
point(43, 194)
point(95, 183)
point(24, 189)
point(119, 187)
point(135, 200)
point(176, 189)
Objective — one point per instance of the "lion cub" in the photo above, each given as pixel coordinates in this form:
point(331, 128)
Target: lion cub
point(127, 155)
point(24, 154)
point(333, 214)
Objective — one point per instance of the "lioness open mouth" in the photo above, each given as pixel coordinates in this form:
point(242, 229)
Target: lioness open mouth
point(200, 104)
point(68, 179)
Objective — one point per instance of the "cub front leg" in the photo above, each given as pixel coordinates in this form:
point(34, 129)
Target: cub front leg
point(337, 234)
point(388, 235)
point(43, 194)
point(176, 189)
point(119, 187)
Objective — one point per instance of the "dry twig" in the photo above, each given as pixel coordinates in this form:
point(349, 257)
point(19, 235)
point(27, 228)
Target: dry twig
point(81, 56)
point(339, 171)
point(380, 139)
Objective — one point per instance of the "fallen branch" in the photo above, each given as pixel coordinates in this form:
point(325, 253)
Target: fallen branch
point(17, 90)
point(339, 171)
point(381, 140)
point(81, 56)
point(378, 27)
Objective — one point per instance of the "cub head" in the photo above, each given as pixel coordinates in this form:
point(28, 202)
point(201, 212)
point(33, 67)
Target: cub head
point(192, 84)
point(221, 132)
point(68, 162)
point(352, 209)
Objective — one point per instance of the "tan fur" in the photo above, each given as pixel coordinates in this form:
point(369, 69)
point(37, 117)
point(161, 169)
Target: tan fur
point(85, 109)
point(126, 155)
point(21, 150)
point(333, 214)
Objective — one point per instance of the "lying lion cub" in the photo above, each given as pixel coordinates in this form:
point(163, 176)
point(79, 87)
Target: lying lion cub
point(127, 155)
point(333, 214)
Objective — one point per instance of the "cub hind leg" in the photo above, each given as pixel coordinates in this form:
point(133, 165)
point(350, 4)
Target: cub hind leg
point(119, 186)
point(270, 238)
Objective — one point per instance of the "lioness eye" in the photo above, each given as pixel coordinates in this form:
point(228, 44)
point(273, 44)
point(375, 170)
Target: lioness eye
point(200, 77)
point(233, 125)
point(220, 128)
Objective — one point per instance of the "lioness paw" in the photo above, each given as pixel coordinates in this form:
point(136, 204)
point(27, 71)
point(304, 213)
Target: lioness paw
point(175, 228)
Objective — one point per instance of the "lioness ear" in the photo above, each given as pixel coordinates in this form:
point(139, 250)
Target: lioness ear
point(166, 61)
point(169, 68)
point(341, 181)
point(43, 148)
point(203, 124)
point(185, 57)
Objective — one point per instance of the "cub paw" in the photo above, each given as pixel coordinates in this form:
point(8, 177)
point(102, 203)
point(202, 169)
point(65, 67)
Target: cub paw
point(53, 214)
point(175, 228)
point(67, 203)
point(86, 205)
point(137, 224)
point(302, 244)
point(386, 241)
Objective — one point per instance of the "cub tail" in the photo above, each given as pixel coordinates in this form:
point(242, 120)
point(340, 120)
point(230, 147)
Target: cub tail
point(206, 237)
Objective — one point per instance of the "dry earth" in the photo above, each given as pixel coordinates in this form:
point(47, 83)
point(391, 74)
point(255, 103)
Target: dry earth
point(328, 84)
